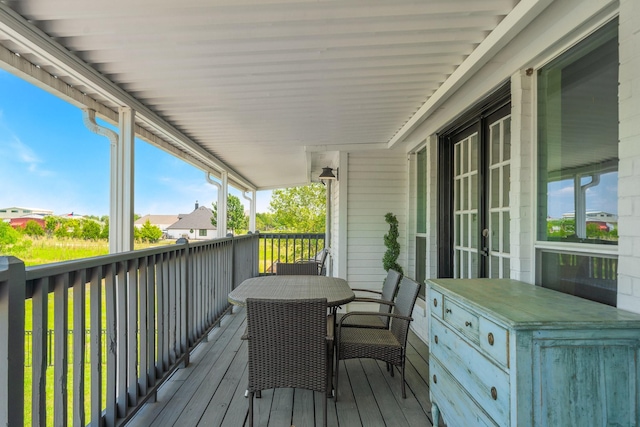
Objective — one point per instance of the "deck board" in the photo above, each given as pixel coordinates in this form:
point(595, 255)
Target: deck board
point(210, 391)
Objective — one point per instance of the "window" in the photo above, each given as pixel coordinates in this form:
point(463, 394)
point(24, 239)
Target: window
point(421, 218)
point(578, 168)
point(202, 233)
point(578, 142)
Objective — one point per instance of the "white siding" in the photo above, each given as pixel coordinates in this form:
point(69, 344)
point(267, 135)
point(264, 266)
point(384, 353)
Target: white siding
point(629, 154)
point(377, 184)
point(522, 179)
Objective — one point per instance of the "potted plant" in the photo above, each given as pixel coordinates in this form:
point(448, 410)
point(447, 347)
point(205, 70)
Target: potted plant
point(389, 260)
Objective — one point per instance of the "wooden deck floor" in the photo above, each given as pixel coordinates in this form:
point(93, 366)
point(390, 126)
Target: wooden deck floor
point(210, 391)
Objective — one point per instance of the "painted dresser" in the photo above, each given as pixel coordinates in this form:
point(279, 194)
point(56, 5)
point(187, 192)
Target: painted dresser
point(506, 353)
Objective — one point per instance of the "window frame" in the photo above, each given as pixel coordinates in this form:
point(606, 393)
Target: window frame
point(540, 246)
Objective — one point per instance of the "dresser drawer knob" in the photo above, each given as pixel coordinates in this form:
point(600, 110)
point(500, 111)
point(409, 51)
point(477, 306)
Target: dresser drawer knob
point(448, 310)
point(435, 339)
point(435, 379)
point(490, 338)
point(435, 302)
point(494, 393)
point(467, 323)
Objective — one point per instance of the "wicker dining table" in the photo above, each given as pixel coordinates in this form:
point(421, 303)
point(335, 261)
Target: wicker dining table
point(335, 290)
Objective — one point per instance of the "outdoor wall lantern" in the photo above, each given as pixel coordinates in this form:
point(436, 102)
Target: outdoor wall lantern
point(327, 173)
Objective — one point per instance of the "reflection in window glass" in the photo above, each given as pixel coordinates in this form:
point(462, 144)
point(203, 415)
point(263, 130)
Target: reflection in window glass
point(586, 276)
point(578, 142)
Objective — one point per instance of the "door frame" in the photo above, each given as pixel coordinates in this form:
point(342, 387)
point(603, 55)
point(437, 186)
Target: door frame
point(474, 116)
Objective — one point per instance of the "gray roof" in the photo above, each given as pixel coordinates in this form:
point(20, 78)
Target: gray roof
point(199, 219)
point(157, 219)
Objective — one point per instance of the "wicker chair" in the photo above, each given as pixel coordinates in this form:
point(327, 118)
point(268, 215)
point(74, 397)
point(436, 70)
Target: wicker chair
point(285, 351)
point(300, 268)
point(387, 345)
point(319, 261)
point(387, 294)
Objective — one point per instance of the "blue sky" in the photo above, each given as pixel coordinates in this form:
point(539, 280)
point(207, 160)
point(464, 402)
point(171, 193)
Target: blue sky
point(50, 160)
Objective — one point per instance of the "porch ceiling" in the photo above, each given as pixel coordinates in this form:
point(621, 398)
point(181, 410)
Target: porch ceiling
point(271, 88)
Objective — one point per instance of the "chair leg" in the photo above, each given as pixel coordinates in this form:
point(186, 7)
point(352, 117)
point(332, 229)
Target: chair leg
point(335, 397)
point(404, 391)
point(250, 409)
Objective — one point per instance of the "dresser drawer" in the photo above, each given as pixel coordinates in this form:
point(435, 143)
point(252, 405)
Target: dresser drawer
point(485, 382)
point(461, 319)
point(494, 340)
point(455, 406)
point(436, 301)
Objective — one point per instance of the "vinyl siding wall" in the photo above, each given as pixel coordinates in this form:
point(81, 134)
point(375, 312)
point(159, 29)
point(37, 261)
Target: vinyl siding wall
point(377, 184)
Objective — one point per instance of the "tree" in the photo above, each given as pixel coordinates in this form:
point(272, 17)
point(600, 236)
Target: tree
point(236, 219)
point(8, 235)
point(32, 228)
point(389, 260)
point(90, 230)
point(300, 209)
point(150, 233)
point(265, 221)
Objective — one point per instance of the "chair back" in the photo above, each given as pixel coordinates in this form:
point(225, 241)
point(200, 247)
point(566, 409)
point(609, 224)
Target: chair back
point(405, 300)
point(287, 344)
point(389, 289)
point(322, 259)
point(299, 268)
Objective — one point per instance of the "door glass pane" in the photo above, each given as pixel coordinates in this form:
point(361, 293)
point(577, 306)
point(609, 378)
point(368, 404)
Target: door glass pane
point(473, 153)
point(506, 184)
point(506, 224)
point(495, 188)
point(506, 268)
point(506, 146)
point(473, 230)
point(473, 191)
point(495, 143)
point(495, 232)
point(495, 267)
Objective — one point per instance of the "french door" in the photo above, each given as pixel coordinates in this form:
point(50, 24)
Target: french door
point(474, 208)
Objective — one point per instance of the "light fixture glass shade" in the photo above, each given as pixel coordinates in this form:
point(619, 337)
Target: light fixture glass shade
point(327, 173)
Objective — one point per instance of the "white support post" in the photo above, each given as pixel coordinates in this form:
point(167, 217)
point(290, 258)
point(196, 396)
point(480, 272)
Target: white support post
point(125, 178)
point(223, 195)
point(252, 210)
point(12, 297)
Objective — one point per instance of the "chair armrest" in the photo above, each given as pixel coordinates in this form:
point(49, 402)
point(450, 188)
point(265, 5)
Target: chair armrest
point(366, 290)
point(372, 313)
point(374, 300)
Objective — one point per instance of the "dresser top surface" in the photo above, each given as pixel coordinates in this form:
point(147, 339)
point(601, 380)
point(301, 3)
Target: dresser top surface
point(521, 305)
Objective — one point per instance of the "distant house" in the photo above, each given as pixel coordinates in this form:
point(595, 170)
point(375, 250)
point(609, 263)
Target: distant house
point(17, 212)
point(22, 222)
point(161, 221)
point(194, 226)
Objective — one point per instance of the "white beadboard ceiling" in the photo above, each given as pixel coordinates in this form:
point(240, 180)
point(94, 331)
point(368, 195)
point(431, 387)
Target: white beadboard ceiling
point(271, 88)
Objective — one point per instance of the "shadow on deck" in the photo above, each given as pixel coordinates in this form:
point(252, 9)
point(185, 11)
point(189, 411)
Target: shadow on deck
point(210, 391)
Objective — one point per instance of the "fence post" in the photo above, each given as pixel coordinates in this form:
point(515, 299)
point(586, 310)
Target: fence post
point(12, 296)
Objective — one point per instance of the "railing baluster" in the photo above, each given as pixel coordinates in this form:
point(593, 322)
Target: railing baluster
point(111, 327)
point(121, 347)
point(79, 326)
point(39, 364)
point(151, 321)
point(12, 295)
point(95, 309)
point(132, 336)
point(143, 381)
point(61, 367)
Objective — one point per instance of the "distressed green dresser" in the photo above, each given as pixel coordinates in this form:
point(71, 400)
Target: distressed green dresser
point(506, 353)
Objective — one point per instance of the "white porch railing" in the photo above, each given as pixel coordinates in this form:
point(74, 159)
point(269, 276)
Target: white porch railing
point(155, 305)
